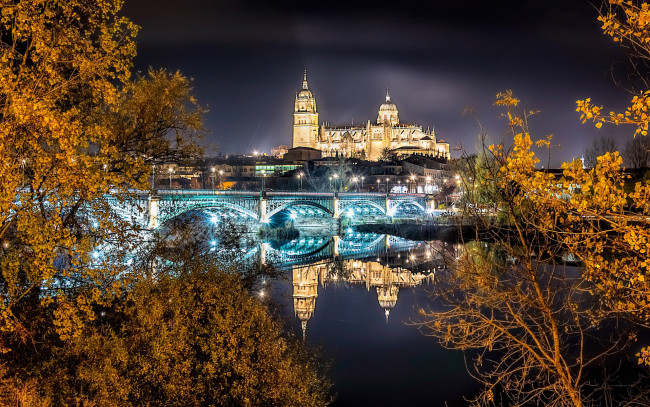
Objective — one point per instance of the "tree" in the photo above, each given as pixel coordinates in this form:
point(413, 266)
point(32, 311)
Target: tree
point(637, 153)
point(387, 154)
point(539, 331)
point(74, 127)
point(190, 336)
point(598, 147)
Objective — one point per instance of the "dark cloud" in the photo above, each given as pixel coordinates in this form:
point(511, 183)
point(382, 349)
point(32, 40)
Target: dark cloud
point(438, 57)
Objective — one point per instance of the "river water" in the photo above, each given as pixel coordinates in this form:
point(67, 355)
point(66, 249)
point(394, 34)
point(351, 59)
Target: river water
point(356, 297)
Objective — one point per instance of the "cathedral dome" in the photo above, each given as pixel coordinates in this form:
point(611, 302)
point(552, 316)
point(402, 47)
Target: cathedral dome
point(305, 94)
point(388, 105)
point(388, 112)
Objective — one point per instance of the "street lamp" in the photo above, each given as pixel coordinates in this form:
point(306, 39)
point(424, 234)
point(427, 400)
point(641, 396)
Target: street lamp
point(378, 184)
point(171, 171)
point(212, 177)
point(355, 180)
point(426, 186)
point(220, 181)
point(263, 176)
point(362, 178)
point(330, 178)
point(386, 185)
point(153, 177)
point(300, 178)
point(336, 181)
point(415, 187)
point(399, 189)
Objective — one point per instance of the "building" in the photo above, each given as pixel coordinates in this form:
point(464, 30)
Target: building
point(368, 141)
point(279, 151)
point(302, 154)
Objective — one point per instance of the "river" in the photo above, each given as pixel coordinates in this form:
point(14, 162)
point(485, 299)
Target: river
point(356, 298)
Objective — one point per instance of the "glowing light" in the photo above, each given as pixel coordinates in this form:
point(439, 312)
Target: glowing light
point(214, 218)
point(95, 255)
point(293, 215)
point(213, 243)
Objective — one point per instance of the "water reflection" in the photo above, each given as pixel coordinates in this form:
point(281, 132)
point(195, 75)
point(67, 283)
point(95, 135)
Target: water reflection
point(385, 280)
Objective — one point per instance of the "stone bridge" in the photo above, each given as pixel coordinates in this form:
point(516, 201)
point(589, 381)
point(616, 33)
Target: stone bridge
point(152, 211)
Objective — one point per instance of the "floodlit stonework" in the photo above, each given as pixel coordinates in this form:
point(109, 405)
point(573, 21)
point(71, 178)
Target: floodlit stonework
point(368, 141)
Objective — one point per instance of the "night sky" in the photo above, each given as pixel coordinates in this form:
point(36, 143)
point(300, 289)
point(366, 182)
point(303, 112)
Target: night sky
point(246, 58)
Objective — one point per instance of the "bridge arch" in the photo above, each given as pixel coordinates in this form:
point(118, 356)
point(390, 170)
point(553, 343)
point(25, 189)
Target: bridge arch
point(304, 202)
point(405, 202)
point(202, 206)
point(349, 204)
point(347, 245)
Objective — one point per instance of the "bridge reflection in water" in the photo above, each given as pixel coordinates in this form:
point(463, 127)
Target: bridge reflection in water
point(383, 263)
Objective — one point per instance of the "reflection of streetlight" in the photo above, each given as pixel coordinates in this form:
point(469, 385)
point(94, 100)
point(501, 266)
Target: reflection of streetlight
point(300, 178)
point(171, 171)
point(23, 162)
point(426, 186)
point(212, 177)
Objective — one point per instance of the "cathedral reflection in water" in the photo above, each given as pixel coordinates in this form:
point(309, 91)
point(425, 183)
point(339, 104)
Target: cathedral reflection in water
point(387, 281)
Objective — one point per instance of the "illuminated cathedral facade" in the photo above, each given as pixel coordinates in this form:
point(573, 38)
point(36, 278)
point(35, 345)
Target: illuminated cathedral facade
point(368, 141)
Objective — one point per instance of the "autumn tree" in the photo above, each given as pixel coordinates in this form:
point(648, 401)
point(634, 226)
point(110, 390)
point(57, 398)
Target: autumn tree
point(192, 336)
point(540, 330)
point(74, 126)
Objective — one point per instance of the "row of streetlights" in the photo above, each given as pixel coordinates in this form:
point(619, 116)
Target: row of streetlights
point(301, 175)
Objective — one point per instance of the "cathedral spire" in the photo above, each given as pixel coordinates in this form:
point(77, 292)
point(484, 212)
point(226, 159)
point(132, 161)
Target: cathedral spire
point(304, 81)
point(387, 95)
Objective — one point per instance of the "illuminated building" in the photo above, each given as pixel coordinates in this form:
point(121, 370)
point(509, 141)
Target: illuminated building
point(367, 141)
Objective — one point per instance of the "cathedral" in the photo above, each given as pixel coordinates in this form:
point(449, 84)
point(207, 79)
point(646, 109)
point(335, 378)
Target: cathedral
point(368, 141)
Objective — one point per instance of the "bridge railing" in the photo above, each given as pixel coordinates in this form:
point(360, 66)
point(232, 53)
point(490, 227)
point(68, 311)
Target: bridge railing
point(228, 192)
point(299, 193)
point(190, 192)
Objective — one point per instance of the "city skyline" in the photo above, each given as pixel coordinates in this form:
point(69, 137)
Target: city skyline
point(247, 60)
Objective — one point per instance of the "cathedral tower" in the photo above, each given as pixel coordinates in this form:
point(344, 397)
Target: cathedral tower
point(305, 118)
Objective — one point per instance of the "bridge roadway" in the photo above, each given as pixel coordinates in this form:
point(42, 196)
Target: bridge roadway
point(153, 210)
